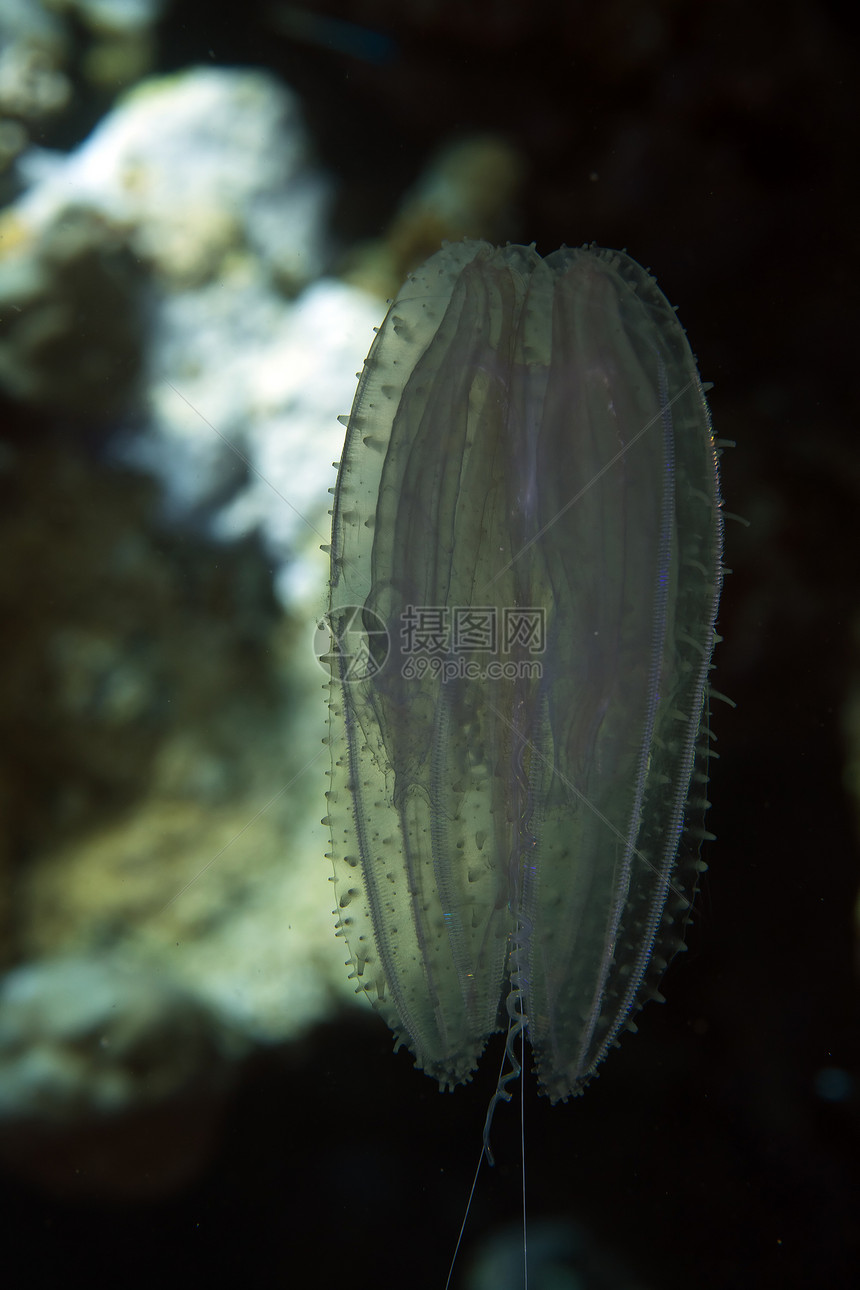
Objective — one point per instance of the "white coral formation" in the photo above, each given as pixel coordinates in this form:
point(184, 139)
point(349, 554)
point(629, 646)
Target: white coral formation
point(206, 179)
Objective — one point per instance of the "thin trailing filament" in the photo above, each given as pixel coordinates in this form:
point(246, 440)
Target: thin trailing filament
point(517, 1022)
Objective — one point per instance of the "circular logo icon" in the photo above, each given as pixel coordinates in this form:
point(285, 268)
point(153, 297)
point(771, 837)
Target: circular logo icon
point(351, 643)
